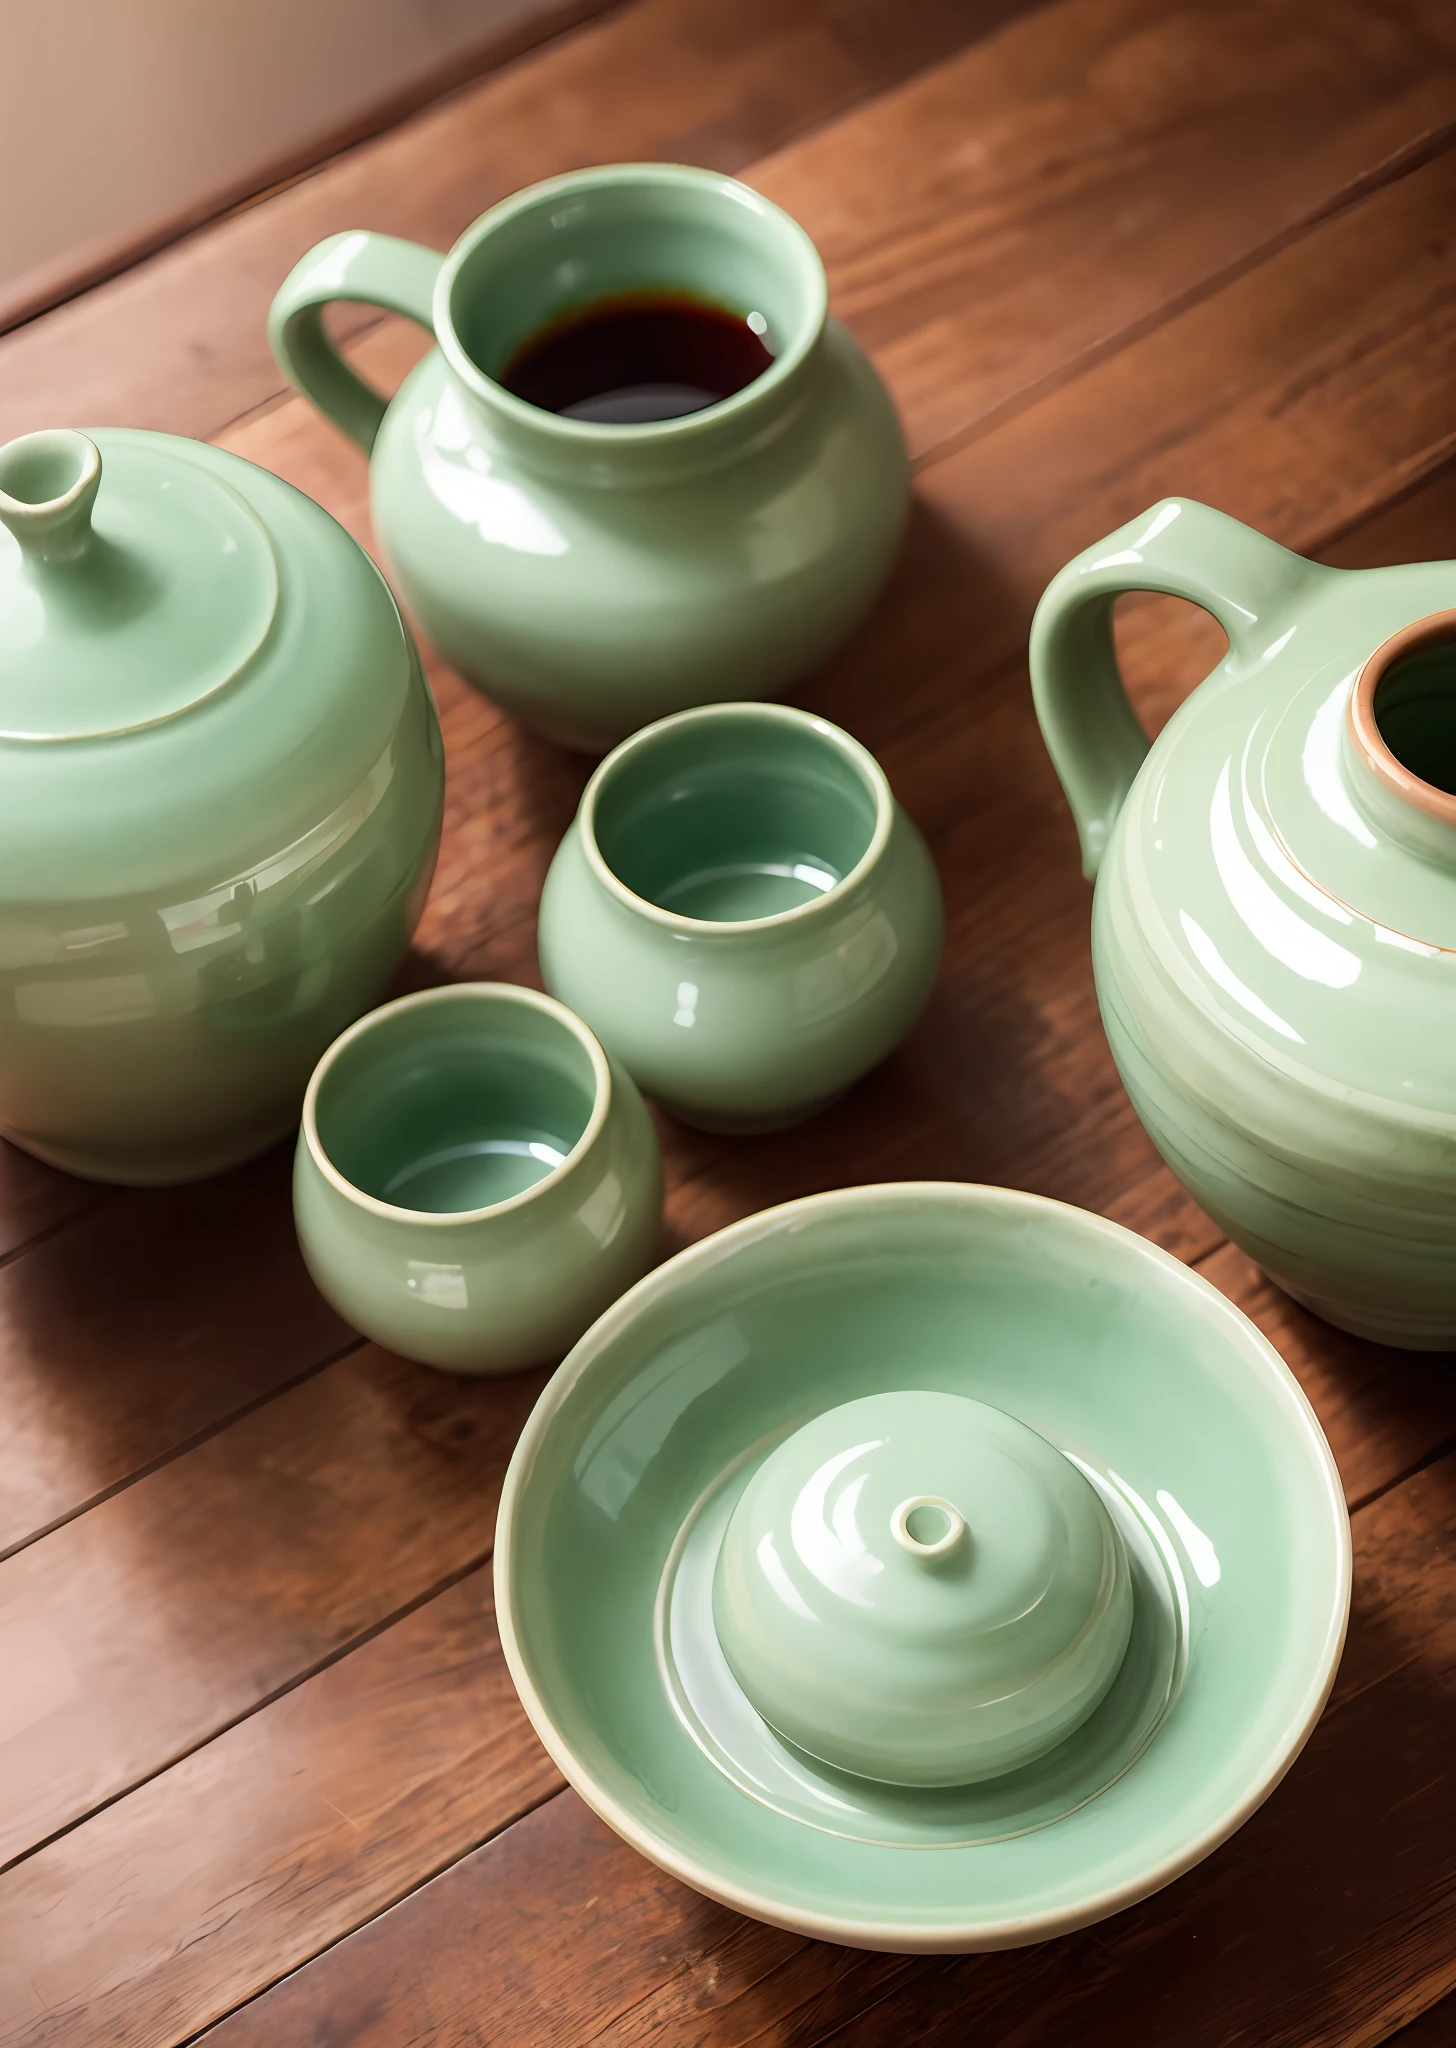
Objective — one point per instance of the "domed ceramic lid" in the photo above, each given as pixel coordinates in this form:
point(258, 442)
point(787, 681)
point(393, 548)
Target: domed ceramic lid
point(917, 1588)
point(125, 596)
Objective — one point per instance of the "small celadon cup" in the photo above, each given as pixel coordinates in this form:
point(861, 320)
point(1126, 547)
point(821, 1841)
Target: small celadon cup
point(475, 1182)
point(743, 914)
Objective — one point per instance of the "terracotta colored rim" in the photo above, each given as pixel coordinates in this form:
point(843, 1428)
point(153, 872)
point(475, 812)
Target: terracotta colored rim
point(1366, 734)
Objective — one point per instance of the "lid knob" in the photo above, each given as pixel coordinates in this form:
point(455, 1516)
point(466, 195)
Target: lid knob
point(927, 1527)
point(129, 598)
point(48, 486)
point(928, 1637)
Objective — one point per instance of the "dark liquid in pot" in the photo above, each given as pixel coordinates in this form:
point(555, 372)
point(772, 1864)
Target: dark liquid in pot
point(638, 357)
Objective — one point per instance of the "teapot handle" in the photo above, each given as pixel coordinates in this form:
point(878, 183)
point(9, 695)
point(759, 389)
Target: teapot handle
point(1182, 549)
point(373, 270)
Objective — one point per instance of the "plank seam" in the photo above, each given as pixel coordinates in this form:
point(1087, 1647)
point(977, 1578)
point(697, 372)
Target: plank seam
point(100, 1200)
point(322, 1664)
point(294, 1969)
point(1401, 163)
point(179, 1450)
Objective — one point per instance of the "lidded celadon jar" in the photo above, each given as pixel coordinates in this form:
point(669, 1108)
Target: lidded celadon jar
point(916, 1588)
point(1274, 923)
point(221, 783)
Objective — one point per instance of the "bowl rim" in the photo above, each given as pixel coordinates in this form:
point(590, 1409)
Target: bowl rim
point(939, 1936)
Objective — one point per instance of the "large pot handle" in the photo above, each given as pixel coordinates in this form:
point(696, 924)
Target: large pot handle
point(375, 270)
point(1183, 549)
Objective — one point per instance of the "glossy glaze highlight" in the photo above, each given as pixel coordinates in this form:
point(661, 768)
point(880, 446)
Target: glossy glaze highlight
point(592, 577)
point(743, 914)
point(474, 1179)
point(221, 784)
point(1274, 923)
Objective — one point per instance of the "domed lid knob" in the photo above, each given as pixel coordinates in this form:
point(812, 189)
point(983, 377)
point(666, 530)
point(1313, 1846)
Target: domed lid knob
point(919, 1589)
point(130, 587)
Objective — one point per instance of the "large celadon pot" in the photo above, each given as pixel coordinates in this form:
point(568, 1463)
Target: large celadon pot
point(1274, 922)
point(221, 782)
point(594, 576)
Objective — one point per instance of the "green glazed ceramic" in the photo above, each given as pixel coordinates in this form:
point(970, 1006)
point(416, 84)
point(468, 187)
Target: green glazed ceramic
point(591, 576)
point(1274, 924)
point(922, 1638)
point(474, 1180)
point(675, 1433)
point(742, 913)
point(220, 794)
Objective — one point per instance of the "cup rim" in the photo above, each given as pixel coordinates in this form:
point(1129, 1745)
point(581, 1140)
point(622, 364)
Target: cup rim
point(510, 993)
point(603, 436)
point(1370, 743)
point(854, 751)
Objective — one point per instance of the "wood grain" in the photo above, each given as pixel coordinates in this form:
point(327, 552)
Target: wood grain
point(171, 1610)
point(327, 1805)
point(1070, 183)
point(254, 1705)
point(35, 1198)
point(1299, 397)
point(1008, 1078)
point(140, 1328)
point(1329, 1919)
point(178, 343)
point(118, 1350)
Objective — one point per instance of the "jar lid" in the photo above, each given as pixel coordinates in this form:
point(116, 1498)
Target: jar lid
point(917, 1588)
point(125, 597)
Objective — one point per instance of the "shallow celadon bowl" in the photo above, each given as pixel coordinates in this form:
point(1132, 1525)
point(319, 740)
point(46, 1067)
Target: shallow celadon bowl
point(1194, 1435)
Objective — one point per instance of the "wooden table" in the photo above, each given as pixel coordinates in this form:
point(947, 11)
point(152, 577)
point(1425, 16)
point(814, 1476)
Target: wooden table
point(261, 1768)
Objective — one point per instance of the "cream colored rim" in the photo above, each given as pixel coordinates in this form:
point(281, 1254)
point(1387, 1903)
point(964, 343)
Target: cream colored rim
point(911, 1938)
point(508, 994)
point(592, 434)
point(858, 756)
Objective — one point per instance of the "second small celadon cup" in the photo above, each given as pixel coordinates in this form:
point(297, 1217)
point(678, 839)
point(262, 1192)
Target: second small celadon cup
point(743, 914)
point(475, 1182)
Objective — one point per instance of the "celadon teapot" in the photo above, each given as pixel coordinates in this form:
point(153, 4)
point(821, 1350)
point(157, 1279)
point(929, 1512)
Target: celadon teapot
point(590, 574)
point(1274, 921)
point(221, 783)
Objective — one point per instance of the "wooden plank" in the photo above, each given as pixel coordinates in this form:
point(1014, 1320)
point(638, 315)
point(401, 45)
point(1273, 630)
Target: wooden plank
point(324, 1807)
point(1131, 161)
point(178, 343)
point(1328, 1920)
point(1034, 1099)
point(1068, 185)
point(136, 1632)
point(139, 1328)
point(1004, 945)
point(35, 1199)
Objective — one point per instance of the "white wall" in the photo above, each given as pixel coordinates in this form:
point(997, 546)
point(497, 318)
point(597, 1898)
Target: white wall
point(115, 113)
